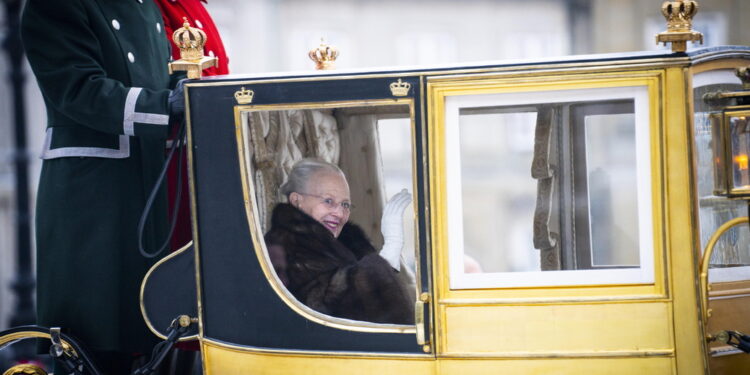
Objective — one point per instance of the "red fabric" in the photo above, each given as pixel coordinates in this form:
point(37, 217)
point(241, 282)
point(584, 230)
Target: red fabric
point(173, 12)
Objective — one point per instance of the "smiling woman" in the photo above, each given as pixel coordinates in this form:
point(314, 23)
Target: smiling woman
point(328, 263)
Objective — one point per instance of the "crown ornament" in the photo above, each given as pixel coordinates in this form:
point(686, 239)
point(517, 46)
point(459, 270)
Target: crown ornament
point(400, 88)
point(679, 15)
point(324, 56)
point(244, 96)
point(190, 41)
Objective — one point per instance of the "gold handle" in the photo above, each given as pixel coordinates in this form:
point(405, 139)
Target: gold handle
point(706, 261)
point(422, 338)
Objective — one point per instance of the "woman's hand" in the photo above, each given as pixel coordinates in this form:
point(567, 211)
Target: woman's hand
point(392, 227)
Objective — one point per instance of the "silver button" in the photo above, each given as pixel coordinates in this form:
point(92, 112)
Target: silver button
point(199, 24)
point(116, 24)
point(140, 1)
point(131, 57)
point(211, 53)
point(158, 28)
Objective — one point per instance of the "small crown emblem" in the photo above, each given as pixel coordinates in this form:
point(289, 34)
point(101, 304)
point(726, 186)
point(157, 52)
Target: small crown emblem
point(400, 88)
point(324, 56)
point(679, 15)
point(244, 96)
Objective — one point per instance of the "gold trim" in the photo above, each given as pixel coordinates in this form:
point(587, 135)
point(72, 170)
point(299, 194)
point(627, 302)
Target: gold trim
point(20, 335)
point(706, 262)
point(149, 324)
point(261, 252)
point(194, 219)
point(637, 298)
point(414, 187)
point(597, 354)
point(429, 323)
point(709, 65)
point(550, 68)
point(24, 369)
point(311, 353)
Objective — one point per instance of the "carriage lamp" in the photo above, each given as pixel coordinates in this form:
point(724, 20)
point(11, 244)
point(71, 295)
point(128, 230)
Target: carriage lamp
point(731, 130)
point(731, 135)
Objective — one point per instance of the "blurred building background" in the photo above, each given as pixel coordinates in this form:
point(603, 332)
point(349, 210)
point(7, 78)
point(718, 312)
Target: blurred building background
point(275, 35)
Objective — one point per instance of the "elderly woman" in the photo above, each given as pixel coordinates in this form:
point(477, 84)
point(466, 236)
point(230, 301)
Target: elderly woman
point(328, 263)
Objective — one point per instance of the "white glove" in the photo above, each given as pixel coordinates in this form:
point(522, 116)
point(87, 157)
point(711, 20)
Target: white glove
point(392, 227)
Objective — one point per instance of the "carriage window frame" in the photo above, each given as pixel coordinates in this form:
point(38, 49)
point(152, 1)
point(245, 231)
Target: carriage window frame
point(251, 209)
point(644, 274)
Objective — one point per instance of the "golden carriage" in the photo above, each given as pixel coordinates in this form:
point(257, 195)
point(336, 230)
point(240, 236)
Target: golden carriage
point(565, 212)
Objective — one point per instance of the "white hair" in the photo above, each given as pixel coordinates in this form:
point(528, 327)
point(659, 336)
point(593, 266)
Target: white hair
point(301, 173)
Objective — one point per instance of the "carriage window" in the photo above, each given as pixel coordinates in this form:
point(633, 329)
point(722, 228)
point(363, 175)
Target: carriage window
point(314, 269)
point(550, 189)
point(731, 257)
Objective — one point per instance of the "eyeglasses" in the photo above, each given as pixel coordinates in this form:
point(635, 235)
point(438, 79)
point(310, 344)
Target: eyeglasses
point(332, 204)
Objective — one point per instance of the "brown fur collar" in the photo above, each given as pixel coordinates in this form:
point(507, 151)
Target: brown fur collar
point(289, 219)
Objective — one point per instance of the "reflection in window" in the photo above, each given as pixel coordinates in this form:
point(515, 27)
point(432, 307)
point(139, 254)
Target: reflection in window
point(549, 187)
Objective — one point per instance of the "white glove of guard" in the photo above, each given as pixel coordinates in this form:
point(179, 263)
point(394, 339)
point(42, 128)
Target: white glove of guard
point(392, 227)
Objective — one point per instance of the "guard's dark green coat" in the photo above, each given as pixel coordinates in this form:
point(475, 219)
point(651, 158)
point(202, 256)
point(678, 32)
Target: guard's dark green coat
point(102, 69)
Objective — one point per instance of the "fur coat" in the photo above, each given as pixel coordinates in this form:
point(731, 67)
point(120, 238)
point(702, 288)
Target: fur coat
point(343, 277)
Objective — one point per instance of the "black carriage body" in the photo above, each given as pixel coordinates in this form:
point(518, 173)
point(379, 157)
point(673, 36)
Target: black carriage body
point(239, 306)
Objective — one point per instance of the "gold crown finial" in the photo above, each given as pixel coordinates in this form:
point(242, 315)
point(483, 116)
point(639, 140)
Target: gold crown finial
point(679, 15)
point(191, 40)
point(400, 88)
point(324, 56)
point(244, 96)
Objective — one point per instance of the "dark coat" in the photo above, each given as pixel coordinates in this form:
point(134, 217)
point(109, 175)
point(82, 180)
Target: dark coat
point(102, 68)
point(342, 277)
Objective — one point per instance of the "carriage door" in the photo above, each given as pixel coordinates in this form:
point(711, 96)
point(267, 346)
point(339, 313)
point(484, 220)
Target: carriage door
point(546, 225)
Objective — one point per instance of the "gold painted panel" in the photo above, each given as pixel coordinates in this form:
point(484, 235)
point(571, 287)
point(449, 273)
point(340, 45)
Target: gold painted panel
point(558, 329)
point(222, 361)
point(609, 366)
